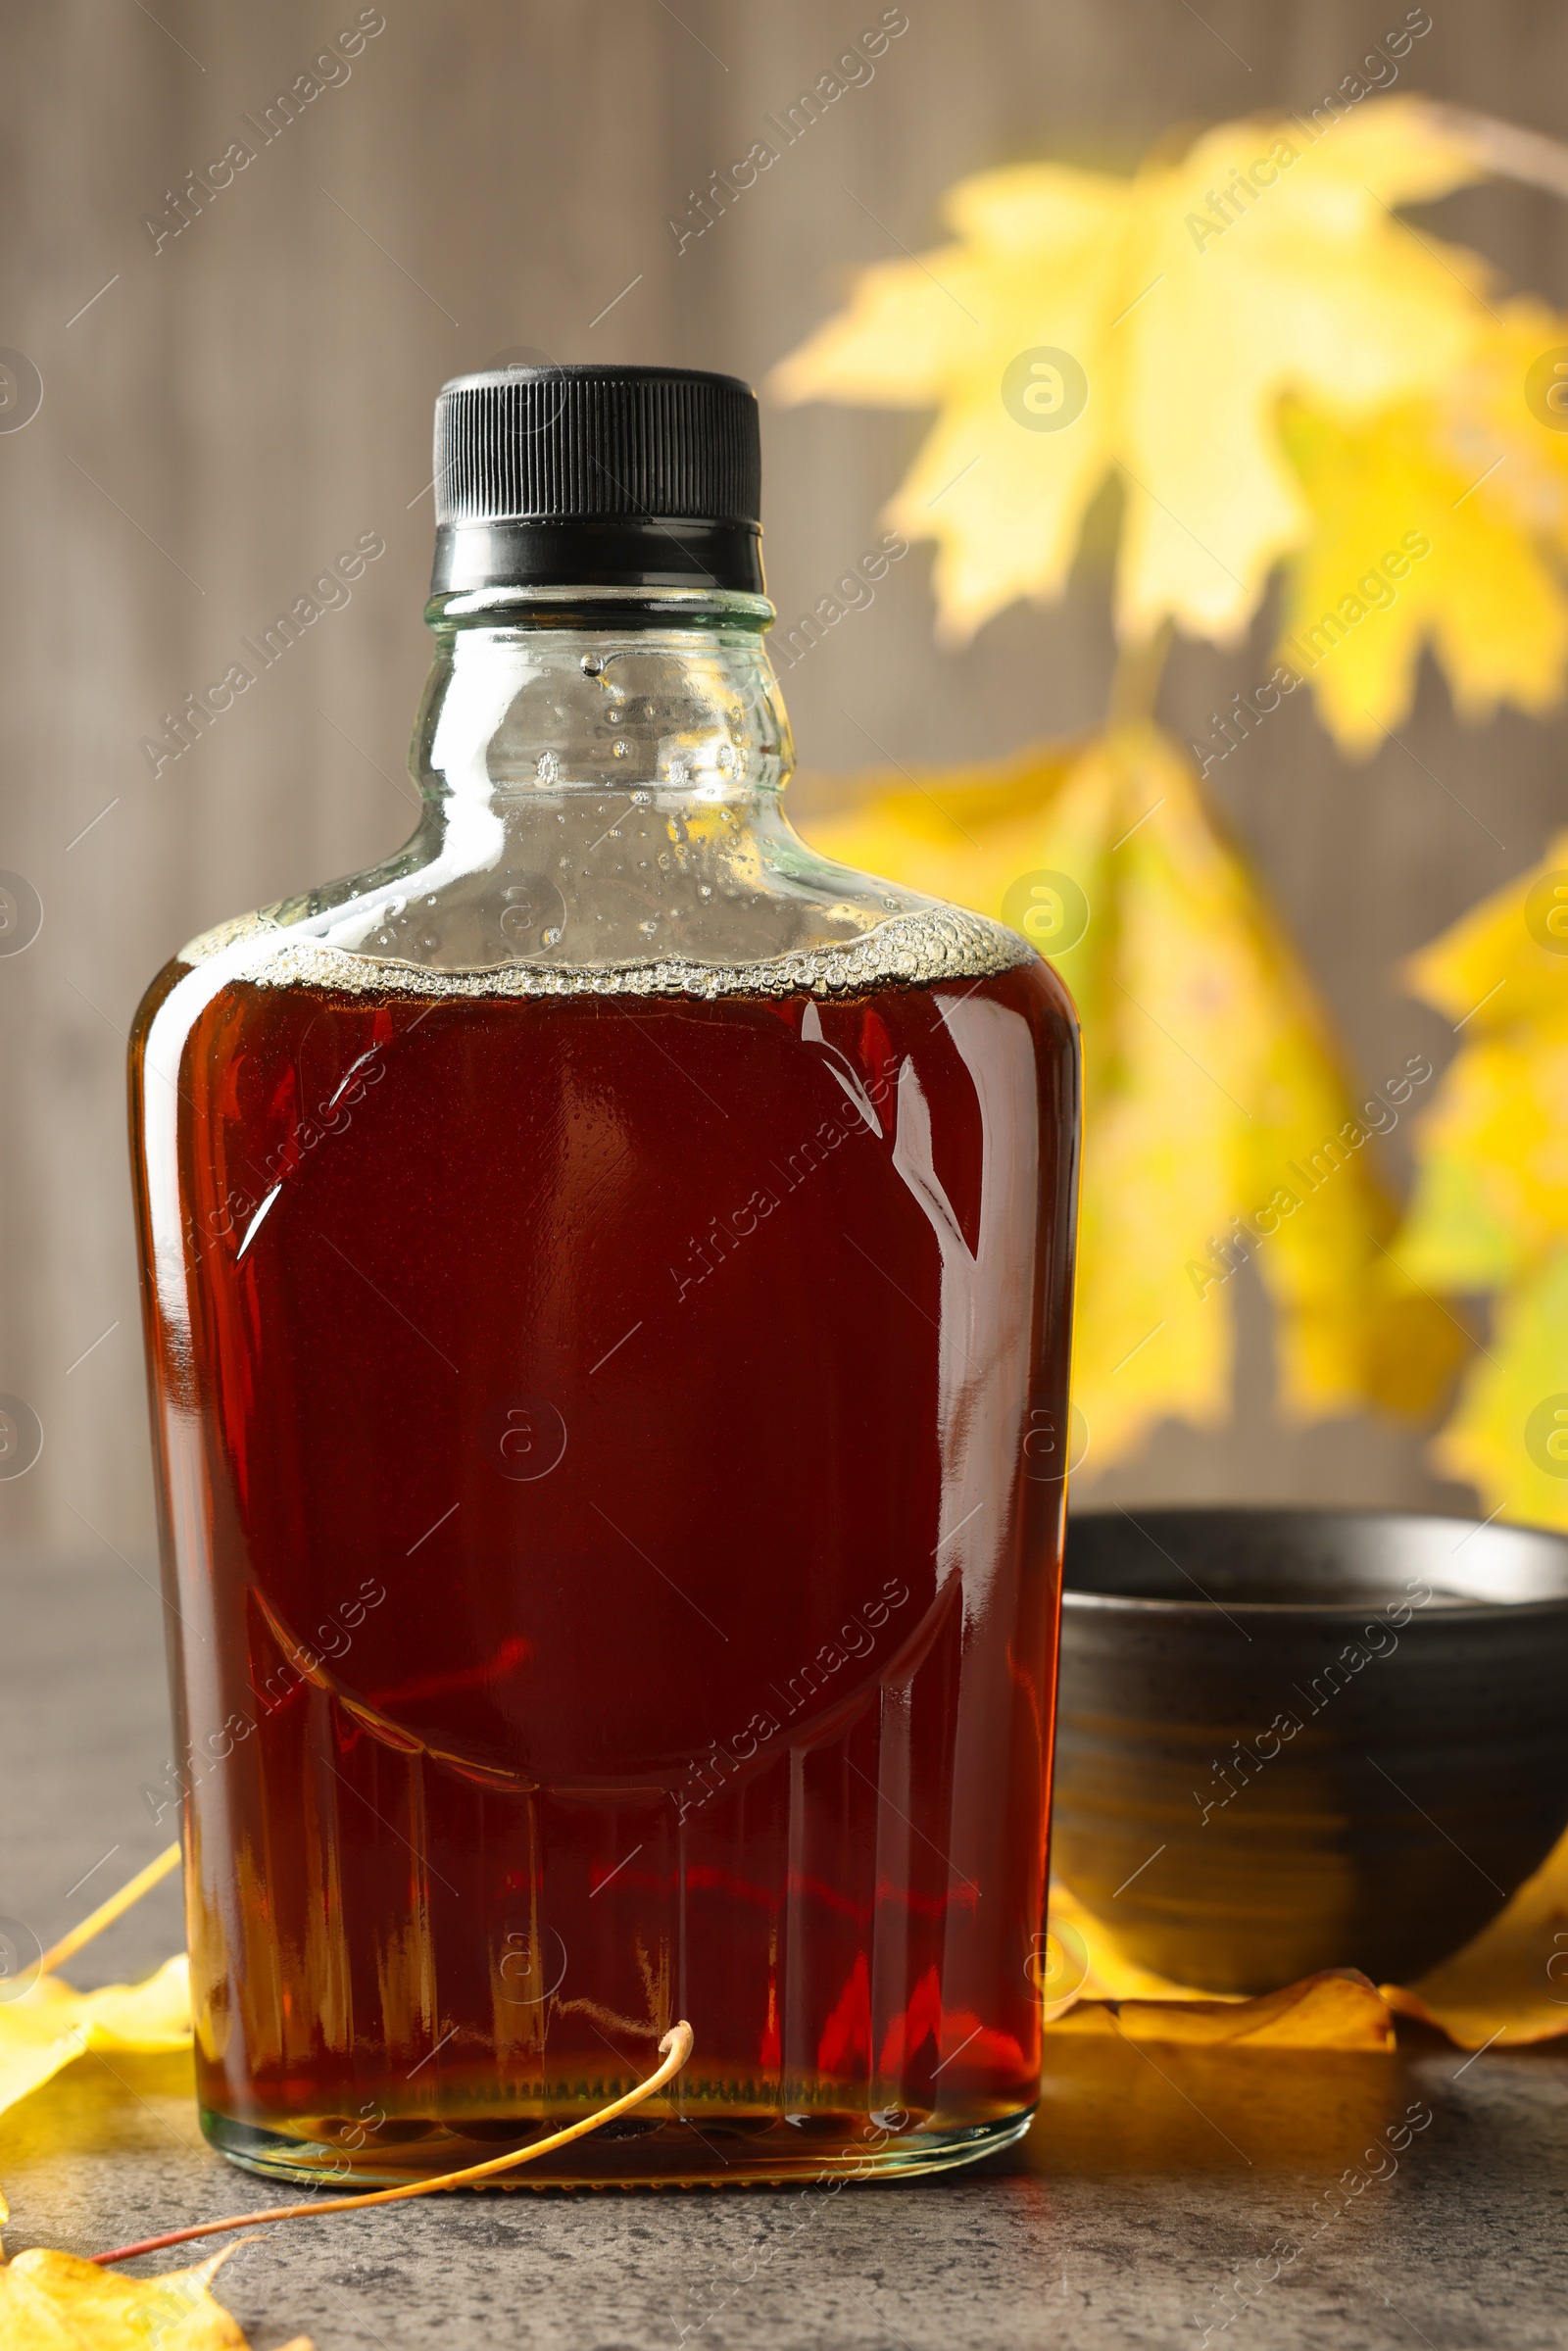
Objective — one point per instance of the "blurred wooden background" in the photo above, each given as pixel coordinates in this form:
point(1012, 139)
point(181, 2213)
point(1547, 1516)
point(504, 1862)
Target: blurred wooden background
point(222, 416)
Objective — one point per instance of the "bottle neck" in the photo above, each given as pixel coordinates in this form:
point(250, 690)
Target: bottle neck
point(535, 694)
point(600, 776)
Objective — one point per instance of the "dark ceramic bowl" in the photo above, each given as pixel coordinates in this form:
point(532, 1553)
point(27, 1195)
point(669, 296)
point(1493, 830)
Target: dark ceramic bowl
point(1290, 1740)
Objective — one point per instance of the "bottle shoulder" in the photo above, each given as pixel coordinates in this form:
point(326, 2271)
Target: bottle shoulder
point(917, 945)
point(601, 815)
point(661, 898)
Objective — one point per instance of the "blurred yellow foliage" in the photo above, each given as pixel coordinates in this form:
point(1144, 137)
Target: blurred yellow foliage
point(1439, 522)
point(1188, 299)
point(1276, 371)
point(1491, 1206)
point(1218, 1125)
point(48, 2025)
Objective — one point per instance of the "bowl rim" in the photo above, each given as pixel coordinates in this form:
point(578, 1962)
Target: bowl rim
point(1454, 1611)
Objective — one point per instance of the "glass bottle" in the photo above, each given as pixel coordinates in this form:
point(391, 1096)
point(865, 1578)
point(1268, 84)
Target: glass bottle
point(608, 1278)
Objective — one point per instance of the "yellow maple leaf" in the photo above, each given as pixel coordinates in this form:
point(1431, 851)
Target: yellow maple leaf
point(1492, 1200)
point(1490, 1211)
point(47, 2025)
point(1438, 522)
point(1334, 2009)
point(1513, 1978)
point(56, 2302)
point(1503, 1982)
point(1503, 966)
point(1509, 1433)
point(1217, 1123)
point(1085, 324)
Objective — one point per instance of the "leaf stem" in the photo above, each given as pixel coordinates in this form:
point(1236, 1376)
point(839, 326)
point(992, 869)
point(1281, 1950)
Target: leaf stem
point(1505, 149)
point(107, 1912)
point(675, 2048)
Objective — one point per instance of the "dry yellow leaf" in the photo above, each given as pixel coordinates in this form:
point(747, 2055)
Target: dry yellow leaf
point(49, 2025)
point(1492, 1200)
point(1490, 1211)
point(1438, 522)
point(1083, 325)
point(1336, 2009)
point(1510, 1985)
point(1509, 1433)
point(56, 2302)
point(1218, 1125)
point(1503, 966)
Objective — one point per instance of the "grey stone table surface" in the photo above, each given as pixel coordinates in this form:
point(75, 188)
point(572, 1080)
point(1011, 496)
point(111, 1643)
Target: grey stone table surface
point(1152, 2175)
